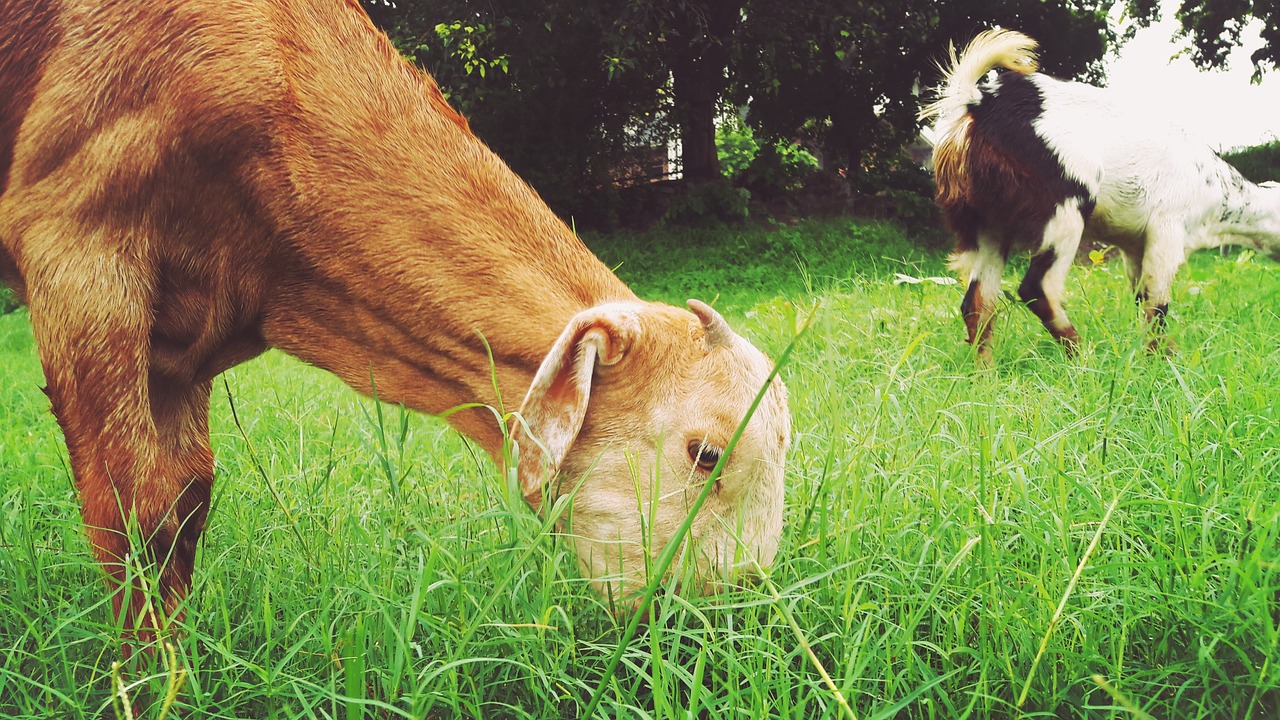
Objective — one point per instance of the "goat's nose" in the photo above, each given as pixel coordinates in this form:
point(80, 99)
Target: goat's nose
point(750, 578)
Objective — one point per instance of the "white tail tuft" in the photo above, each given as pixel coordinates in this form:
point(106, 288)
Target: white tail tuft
point(990, 49)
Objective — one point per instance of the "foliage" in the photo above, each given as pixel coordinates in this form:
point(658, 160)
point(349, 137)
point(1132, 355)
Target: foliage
point(736, 146)
point(846, 73)
point(778, 168)
point(464, 42)
point(937, 539)
point(1214, 28)
point(567, 91)
point(708, 203)
point(771, 170)
point(1258, 163)
point(531, 80)
point(8, 301)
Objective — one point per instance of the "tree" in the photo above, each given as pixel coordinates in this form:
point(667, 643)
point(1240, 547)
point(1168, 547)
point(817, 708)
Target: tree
point(534, 81)
point(1214, 28)
point(564, 90)
point(693, 40)
point(848, 74)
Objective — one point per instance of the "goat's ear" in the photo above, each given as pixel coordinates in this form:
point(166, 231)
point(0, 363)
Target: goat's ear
point(556, 405)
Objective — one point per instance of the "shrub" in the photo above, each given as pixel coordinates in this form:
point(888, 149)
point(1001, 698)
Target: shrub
point(778, 169)
point(736, 147)
point(1257, 163)
point(8, 301)
point(915, 211)
point(709, 203)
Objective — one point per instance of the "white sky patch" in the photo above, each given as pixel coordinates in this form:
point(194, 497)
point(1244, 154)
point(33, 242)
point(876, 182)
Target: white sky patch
point(1221, 107)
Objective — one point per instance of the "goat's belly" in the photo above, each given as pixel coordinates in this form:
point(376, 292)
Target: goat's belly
point(1100, 229)
point(1118, 218)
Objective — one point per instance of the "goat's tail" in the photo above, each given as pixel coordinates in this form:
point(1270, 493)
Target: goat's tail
point(992, 48)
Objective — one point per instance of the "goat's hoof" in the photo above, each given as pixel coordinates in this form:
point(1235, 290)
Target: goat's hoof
point(1069, 339)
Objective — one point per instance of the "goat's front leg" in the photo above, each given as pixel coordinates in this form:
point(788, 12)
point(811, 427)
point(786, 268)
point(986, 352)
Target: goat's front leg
point(1163, 256)
point(1046, 277)
point(1133, 271)
point(986, 267)
point(90, 313)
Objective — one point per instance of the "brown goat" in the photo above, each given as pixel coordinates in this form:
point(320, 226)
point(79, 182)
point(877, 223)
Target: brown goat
point(185, 183)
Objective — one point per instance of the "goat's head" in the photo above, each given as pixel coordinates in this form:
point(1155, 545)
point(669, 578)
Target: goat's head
point(1269, 242)
point(629, 412)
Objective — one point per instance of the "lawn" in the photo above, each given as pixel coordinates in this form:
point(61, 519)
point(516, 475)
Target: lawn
point(1069, 538)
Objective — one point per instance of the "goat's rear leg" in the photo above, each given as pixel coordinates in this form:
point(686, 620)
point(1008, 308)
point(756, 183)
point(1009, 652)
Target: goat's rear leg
point(91, 317)
point(1046, 277)
point(985, 267)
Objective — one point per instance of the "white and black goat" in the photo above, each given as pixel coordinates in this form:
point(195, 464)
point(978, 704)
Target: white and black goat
point(1028, 162)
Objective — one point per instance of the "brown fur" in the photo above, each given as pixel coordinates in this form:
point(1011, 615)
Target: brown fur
point(950, 158)
point(188, 183)
point(954, 157)
point(986, 187)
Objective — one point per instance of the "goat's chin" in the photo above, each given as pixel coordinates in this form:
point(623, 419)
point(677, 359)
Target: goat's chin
point(687, 587)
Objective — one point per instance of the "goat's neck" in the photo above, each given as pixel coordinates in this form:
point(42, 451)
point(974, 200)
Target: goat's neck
point(419, 266)
point(424, 270)
point(438, 314)
point(1249, 216)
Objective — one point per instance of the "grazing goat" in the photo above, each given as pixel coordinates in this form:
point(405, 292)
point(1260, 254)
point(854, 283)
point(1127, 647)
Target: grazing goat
point(186, 183)
point(1027, 162)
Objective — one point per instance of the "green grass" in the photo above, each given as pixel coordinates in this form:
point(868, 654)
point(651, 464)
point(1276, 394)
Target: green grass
point(1103, 532)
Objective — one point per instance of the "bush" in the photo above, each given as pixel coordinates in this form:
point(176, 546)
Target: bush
point(915, 211)
point(709, 203)
point(736, 147)
point(771, 169)
point(1257, 163)
point(778, 169)
point(8, 301)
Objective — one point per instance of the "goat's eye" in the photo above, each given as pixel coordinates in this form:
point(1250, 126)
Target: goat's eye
point(703, 455)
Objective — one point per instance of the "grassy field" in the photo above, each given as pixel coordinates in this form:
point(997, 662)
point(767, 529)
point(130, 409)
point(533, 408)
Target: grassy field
point(1068, 538)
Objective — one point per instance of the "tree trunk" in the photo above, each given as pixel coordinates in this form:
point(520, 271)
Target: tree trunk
point(699, 74)
point(852, 123)
point(695, 98)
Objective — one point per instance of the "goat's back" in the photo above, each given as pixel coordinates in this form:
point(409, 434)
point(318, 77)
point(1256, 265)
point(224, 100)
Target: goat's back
point(1034, 141)
point(1007, 178)
point(1131, 163)
point(240, 154)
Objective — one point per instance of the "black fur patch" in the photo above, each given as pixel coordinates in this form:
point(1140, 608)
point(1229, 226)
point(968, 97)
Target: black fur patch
point(1019, 180)
point(1008, 111)
point(1032, 288)
point(969, 305)
point(1159, 315)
